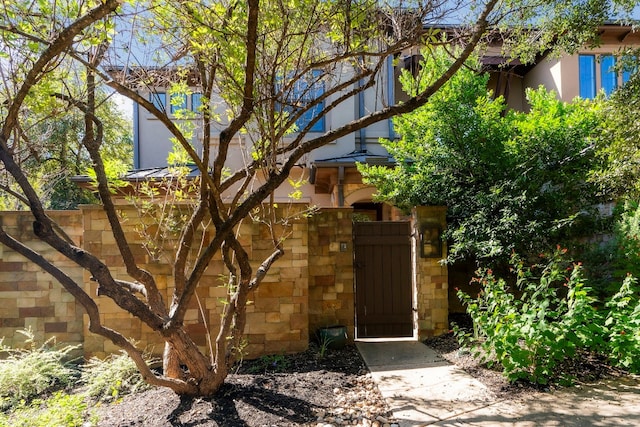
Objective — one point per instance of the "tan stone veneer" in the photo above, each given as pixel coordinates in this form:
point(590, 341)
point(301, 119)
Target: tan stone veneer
point(310, 287)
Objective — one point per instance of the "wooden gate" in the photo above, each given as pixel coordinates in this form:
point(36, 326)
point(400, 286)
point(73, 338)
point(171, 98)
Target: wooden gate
point(383, 279)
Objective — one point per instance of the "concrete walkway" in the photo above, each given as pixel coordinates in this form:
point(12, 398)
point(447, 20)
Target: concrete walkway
point(422, 389)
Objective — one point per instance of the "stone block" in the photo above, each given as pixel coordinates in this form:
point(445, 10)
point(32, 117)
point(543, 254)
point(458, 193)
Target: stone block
point(11, 267)
point(273, 317)
point(9, 287)
point(254, 350)
point(331, 306)
point(265, 304)
point(283, 337)
point(330, 296)
point(48, 311)
point(254, 321)
point(321, 270)
point(326, 280)
point(290, 273)
point(275, 290)
point(12, 323)
point(55, 327)
point(298, 321)
point(289, 308)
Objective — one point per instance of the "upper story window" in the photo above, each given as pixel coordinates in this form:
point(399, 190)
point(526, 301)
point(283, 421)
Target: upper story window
point(303, 93)
point(177, 102)
point(600, 72)
point(608, 73)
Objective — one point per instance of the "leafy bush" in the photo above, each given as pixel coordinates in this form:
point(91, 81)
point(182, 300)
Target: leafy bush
point(549, 317)
point(627, 238)
point(61, 409)
point(30, 372)
point(511, 181)
point(609, 261)
point(531, 335)
point(622, 326)
point(112, 377)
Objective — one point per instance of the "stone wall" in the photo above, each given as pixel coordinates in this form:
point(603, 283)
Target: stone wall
point(310, 287)
point(431, 276)
point(31, 298)
point(277, 311)
point(331, 287)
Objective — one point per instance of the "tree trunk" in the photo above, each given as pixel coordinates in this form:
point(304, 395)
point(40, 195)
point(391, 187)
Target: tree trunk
point(171, 363)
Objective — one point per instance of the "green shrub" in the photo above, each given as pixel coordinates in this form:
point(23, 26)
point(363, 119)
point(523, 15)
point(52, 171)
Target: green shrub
point(531, 335)
point(622, 326)
point(112, 377)
point(627, 237)
point(30, 372)
point(608, 262)
point(60, 410)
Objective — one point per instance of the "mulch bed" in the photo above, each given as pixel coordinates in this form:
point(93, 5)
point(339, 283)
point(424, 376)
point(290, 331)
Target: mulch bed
point(275, 391)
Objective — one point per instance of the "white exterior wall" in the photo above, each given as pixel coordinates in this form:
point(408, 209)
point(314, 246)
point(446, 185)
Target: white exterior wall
point(153, 139)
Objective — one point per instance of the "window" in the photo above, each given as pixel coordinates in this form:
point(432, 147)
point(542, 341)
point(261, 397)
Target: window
point(606, 77)
point(587, 66)
point(608, 73)
point(196, 102)
point(178, 102)
point(304, 92)
point(159, 100)
point(628, 67)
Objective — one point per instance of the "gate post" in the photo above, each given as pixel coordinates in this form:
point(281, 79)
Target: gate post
point(430, 274)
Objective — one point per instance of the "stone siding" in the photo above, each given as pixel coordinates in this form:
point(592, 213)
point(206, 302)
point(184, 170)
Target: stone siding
point(310, 287)
point(331, 287)
point(431, 276)
point(29, 297)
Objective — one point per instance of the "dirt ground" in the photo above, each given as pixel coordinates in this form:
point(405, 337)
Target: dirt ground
point(301, 389)
point(292, 390)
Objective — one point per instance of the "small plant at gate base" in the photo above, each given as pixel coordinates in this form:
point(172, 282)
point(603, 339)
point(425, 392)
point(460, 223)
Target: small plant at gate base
point(269, 363)
point(323, 345)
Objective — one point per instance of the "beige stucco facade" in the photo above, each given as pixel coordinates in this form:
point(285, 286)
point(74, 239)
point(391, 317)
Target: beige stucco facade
point(561, 73)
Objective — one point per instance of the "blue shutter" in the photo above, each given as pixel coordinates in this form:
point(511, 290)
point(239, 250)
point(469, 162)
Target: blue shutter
point(159, 100)
point(587, 71)
point(196, 102)
point(608, 74)
point(628, 69)
point(178, 102)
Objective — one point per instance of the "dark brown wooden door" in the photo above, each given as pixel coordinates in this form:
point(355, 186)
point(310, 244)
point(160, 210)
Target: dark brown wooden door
point(383, 279)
